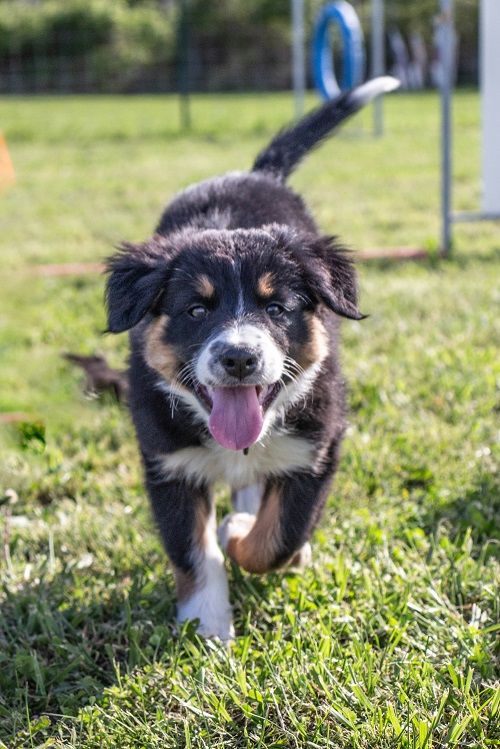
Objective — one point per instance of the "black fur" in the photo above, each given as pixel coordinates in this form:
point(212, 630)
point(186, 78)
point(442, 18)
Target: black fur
point(289, 147)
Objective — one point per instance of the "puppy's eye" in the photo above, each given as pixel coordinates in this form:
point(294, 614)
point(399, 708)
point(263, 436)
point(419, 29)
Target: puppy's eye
point(274, 309)
point(198, 311)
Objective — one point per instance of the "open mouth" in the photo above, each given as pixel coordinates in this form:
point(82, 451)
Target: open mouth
point(237, 413)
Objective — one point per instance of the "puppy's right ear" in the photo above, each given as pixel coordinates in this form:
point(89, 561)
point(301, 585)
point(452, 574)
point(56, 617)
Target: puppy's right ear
point(137, 278)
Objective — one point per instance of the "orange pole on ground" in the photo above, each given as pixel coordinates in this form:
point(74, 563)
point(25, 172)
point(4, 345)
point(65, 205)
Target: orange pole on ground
point(7, 174)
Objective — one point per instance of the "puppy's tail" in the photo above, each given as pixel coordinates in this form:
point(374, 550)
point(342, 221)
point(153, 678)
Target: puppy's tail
point(290, 146)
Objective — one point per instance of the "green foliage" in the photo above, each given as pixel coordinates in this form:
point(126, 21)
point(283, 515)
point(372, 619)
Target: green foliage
point(32, 435)
point(390, 640)
point(115, 40)
point(113, 44)
point(141, 36)
point(64, 26)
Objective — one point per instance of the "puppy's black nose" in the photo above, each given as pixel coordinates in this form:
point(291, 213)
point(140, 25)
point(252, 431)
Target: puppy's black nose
point(239, 362)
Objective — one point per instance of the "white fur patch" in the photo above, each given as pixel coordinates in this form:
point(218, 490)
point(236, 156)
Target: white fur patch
point(290, 396)
point(278, 455)
point(210, 601)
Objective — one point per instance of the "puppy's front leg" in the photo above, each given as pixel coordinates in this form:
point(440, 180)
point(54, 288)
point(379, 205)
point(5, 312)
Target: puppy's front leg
point(185, 516)
point(278, 535)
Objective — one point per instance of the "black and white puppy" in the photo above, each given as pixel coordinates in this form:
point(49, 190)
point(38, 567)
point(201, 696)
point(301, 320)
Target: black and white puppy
point(233, 307)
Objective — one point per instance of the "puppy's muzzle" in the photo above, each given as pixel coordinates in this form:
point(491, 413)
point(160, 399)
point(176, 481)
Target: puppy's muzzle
point(239, 362)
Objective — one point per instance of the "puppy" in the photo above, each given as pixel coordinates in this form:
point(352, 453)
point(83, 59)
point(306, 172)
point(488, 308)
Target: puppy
point(233, 308)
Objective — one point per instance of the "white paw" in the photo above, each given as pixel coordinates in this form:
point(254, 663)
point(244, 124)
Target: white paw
point(234, 525)
point(215, 617)
point(209, 602)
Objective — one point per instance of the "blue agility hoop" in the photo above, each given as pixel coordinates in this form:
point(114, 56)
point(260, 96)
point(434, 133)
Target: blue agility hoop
point(343, 14)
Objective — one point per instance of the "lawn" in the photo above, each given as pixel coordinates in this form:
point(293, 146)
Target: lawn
point(391, 639)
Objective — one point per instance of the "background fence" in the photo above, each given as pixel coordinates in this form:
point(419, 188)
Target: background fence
point(210, 45)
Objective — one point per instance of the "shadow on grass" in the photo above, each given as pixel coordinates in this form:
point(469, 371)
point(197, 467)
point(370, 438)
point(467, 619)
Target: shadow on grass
point(62, 644)
point(464, 259)
point(433, 261)
point(65, 638)
point(475, 511)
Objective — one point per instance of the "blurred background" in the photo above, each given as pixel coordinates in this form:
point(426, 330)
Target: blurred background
point(124, 46)
point(109, 107)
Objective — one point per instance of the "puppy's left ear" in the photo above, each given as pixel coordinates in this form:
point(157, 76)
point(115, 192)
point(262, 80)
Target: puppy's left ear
point(331, 277)
point(137, 279)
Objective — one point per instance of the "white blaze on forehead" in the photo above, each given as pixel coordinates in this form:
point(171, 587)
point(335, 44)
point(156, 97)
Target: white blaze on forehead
point(245, 335)
point(240, 310)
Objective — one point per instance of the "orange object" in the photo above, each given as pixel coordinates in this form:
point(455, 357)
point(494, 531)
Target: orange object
point(7, 174)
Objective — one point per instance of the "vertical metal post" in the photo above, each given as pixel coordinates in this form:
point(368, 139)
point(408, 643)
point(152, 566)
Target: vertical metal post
point(446, 44)
point(298, 59)
point(378, 61)
point(183, 63)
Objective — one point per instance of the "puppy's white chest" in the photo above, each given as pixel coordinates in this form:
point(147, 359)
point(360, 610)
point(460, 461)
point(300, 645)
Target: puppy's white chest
point(278, 454)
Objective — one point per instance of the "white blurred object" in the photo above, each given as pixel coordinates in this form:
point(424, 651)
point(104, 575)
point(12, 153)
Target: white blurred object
point(418, 64)
point(490, 103)
point(400, 68)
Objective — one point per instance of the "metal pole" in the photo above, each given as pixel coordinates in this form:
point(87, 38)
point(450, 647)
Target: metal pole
point(446, 41)
point(378, 61)
point(298, 59)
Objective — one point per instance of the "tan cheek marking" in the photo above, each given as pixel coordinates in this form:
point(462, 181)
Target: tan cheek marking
point(204, 286)
point(265, 284)
point(316, 348)
point(257, 551)
point(158, 354)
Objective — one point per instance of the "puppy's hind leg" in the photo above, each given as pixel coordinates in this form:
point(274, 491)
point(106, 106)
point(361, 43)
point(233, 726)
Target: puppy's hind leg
point(248, 499)
point(186, 518)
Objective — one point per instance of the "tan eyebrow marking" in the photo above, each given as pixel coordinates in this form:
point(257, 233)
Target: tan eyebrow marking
point(204, 286)
point(265, 284)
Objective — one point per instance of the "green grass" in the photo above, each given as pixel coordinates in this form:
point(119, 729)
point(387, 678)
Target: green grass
point(391, 639)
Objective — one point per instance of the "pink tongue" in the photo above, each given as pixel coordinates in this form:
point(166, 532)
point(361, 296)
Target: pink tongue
point(236, 418)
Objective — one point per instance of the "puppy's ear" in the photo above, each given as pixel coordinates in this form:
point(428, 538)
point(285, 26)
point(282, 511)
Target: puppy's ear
point(137, 277)
point(331, 277)
point(326, 267)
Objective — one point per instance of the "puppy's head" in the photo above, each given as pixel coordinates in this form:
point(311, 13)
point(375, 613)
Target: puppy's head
point(231, 319)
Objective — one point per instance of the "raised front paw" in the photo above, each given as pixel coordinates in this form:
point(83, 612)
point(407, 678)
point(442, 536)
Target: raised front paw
point(234, 526)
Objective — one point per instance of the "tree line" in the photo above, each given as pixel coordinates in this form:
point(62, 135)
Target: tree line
point(127, 45)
